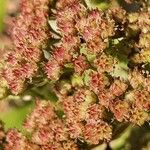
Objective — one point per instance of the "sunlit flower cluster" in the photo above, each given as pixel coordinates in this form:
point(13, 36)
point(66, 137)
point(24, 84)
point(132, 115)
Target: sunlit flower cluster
point(28, 32)
point(98, 70)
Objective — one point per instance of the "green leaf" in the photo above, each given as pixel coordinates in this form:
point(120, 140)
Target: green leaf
point(118, 143)
point(77, 80)
point(117, 49)
point(45, 92)
point(121, 70)
point(60, 113)
point(90, 57)
point(100, 4)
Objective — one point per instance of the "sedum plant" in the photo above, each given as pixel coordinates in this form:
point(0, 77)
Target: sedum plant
point(86, 69)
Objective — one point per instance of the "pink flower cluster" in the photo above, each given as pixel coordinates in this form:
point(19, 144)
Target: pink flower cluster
point(28, 32)
point(50, 132)
point(78, 26)
point(85, 117)
point(46, 129)
point(105, 86)
point(88, 33)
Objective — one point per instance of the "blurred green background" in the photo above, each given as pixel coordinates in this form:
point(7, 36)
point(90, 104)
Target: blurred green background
point(2, 13)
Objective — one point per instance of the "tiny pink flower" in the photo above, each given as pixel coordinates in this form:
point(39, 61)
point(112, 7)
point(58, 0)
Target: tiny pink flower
point(52, 69)
point(59, 54)
point(80, 64)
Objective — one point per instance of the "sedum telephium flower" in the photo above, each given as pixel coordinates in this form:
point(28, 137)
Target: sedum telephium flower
point(28, 32)
point(99, 71)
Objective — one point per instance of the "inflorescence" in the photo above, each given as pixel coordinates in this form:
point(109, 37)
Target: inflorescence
point(99, 68)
